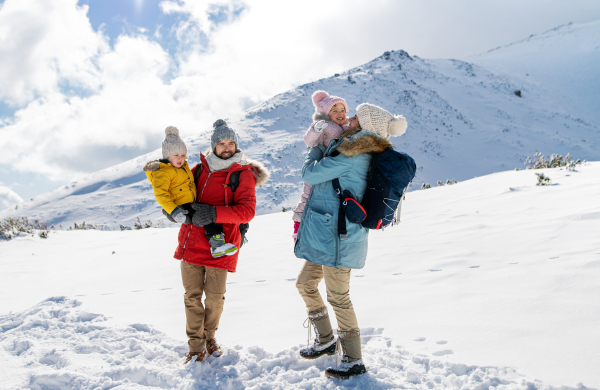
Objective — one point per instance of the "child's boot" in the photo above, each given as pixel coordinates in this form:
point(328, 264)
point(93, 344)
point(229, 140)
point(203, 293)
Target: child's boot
point(218, 246)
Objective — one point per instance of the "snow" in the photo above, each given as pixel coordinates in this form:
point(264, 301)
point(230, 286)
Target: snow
point(464, 120)
point(491, 282)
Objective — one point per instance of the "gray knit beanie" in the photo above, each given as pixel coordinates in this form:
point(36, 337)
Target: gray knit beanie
point(172, 143)
point(222, 132)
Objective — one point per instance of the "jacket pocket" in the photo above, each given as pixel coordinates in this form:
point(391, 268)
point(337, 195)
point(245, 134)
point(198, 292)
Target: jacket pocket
point(319, 233)
point(180, 191)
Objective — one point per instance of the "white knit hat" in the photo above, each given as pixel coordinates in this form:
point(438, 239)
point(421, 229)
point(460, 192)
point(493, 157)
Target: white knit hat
point(172, 143)
point(377, 120)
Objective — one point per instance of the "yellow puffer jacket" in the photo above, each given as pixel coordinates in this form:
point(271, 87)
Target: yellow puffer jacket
point(172, 186)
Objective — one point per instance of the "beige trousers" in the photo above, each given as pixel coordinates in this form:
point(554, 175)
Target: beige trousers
point(338, 292)
point(202, 321)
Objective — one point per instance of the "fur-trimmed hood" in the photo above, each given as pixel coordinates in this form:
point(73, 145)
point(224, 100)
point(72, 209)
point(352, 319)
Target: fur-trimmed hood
point(354, 142)
point(152, 166)
point(260, 171)
point(317, 116)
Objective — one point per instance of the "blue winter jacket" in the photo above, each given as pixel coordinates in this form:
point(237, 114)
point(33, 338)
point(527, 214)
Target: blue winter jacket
point(318, 240)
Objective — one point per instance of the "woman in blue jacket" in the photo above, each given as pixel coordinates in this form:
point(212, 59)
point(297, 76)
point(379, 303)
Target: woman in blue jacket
point(327, 255)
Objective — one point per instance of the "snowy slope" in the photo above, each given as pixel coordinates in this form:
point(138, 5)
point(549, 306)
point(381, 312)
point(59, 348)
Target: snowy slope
point(464, 121)
point(490, 282)
point(560, 64)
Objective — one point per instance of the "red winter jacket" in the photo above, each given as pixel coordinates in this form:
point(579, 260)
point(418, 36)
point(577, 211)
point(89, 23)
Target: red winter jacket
point(232, 210)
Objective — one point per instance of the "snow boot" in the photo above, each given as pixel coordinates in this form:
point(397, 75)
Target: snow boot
point(200, 356)
point(213, 348)
point(324, 342)
point(352, 363)
point(218, 246)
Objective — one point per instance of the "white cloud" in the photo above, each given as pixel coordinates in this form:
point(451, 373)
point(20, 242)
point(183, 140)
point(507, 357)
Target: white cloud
point(85, 105)
point(45, 45)
point(8, 198)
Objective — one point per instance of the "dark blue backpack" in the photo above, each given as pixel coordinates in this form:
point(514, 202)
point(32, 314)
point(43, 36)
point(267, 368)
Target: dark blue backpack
point(389, 175)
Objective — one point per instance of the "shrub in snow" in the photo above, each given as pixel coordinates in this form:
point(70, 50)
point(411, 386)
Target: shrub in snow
point(11, 227)
point(84, 226)
point(425, 186)
point(542, 180)
point(556, 161)
point(139, 225)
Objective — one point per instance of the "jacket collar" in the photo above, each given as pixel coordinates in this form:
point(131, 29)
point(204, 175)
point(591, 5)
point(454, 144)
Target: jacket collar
point(317, 116)
point(355, 142)
point(260, 171)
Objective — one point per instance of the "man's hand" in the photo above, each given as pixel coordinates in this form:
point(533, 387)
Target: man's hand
point(179, 214)
point(204, 214)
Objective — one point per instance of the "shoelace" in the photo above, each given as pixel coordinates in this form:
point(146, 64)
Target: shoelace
point(309, 330)
point(338, 351)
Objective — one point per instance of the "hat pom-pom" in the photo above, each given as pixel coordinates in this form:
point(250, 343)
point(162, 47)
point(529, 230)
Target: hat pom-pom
point(219, 123)
point(171, 130)
point(318, 96)
point(397, 125)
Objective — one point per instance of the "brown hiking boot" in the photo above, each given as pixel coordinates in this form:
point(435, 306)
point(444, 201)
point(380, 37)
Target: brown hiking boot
point(200, 356)
point(213, 348)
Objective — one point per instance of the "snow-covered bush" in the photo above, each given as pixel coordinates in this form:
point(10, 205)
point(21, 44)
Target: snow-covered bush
point(556, 161)
point(542, 180)
point(139, 225)
point(11, 227)
point(84, 226)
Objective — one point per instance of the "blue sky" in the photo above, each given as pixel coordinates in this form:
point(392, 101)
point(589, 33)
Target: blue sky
point(88, 84)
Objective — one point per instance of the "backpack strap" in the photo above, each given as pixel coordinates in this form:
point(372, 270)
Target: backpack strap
point(197, 174)
point(341, 215)
point(372, 166)
point(234, 180)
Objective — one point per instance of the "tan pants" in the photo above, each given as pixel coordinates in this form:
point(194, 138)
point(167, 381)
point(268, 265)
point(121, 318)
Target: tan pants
point(338, 292)
point(202, 321)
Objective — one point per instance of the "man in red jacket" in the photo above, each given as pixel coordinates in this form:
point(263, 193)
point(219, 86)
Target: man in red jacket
point(202, 273)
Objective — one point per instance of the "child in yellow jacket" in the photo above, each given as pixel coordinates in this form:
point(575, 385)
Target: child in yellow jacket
point(175, 190)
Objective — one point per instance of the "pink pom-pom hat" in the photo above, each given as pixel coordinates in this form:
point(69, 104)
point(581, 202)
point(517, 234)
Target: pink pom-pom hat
point(323, 102)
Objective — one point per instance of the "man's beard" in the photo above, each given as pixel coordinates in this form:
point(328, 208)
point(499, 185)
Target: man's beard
point(225, 155)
